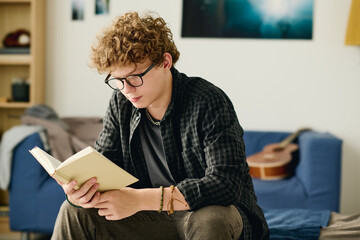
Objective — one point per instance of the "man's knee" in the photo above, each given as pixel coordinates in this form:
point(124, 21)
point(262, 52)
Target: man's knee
point(67, 210)
point(216, 220)
point(215, 216)
point(75, 223)
point(70, 212)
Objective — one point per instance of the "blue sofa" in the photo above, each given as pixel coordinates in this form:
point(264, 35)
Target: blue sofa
point(316, 180)
point(35, 197)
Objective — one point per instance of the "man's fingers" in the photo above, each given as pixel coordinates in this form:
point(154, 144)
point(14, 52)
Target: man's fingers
point(111, 217)
point(69, 188)
point(92, 203)
point(102, 211)
point(101, 205)
point(84, 188)
point(106, 196)
point(90, 194)
point(105, 212)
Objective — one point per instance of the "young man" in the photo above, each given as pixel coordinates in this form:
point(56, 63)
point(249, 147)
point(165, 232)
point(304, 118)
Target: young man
point(178, 135)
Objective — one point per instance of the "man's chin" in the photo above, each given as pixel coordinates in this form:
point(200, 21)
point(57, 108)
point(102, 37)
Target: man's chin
point(139, 105)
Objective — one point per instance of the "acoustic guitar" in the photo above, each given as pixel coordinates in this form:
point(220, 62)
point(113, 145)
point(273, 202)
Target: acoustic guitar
point(274, 161)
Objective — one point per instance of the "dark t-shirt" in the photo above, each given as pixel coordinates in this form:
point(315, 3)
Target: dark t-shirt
point(152, 146)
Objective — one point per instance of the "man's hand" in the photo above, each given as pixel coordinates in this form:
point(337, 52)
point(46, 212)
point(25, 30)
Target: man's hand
point(86, 196)
point(119, 204)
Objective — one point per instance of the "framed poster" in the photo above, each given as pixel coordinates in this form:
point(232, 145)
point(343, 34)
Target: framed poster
point(77, 10)
point(101, 7)
point(267, 19)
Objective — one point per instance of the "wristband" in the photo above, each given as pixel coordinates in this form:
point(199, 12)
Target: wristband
point(67, 199)
point(161, 199)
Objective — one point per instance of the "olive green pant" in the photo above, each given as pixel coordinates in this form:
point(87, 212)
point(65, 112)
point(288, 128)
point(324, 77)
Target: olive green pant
point(211, 222)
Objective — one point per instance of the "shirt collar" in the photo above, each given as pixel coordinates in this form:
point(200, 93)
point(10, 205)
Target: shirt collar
point(176, 91)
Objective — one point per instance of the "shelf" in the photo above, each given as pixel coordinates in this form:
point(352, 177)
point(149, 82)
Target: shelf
point(18, 105)
point(15, 1)
point(15, 59)
point(4, 210)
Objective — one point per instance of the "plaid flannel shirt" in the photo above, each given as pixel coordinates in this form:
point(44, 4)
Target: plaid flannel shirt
point(203, 146)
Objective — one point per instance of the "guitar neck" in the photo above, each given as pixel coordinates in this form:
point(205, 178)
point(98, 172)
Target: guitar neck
point(290, 138)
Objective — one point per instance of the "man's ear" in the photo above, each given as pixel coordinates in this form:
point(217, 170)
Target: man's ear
point(167, 61)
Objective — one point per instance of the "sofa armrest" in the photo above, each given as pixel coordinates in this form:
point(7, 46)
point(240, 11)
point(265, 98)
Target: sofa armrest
point(319, 168)
point(35, 197)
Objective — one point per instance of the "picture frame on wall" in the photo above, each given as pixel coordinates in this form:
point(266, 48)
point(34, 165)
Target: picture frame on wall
point(264, 19)
point(102, 7)
point(77, 10)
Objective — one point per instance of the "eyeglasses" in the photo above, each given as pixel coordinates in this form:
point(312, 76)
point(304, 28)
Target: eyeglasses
point(134, 80)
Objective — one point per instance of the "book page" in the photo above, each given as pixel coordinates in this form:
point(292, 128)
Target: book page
point(77, 155)
point(46, 160)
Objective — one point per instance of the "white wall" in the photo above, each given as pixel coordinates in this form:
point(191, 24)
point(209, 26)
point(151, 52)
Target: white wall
point(274, 84)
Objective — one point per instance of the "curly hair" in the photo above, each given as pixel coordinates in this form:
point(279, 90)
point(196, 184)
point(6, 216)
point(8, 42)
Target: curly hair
point(132, 39)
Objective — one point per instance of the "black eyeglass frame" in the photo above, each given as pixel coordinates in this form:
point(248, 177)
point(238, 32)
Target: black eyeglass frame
point(107, 79)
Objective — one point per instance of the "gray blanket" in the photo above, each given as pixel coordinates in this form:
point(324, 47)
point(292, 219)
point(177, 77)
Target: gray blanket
point(10, 139)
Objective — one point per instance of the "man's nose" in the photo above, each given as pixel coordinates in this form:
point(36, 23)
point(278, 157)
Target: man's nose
point(128, 88)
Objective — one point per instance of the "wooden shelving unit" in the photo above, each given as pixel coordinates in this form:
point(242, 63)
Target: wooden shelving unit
point(29, 15)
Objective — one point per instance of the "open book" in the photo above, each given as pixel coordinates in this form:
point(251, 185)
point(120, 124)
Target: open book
point(84, 165)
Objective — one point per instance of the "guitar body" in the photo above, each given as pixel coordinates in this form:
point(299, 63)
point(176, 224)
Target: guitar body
point(273, 163)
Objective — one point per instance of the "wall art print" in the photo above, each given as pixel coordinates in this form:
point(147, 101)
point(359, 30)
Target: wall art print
point(266, 19)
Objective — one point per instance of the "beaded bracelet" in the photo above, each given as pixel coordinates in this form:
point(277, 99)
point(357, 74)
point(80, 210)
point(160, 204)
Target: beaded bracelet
point(67, 199)
point(161, 199)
